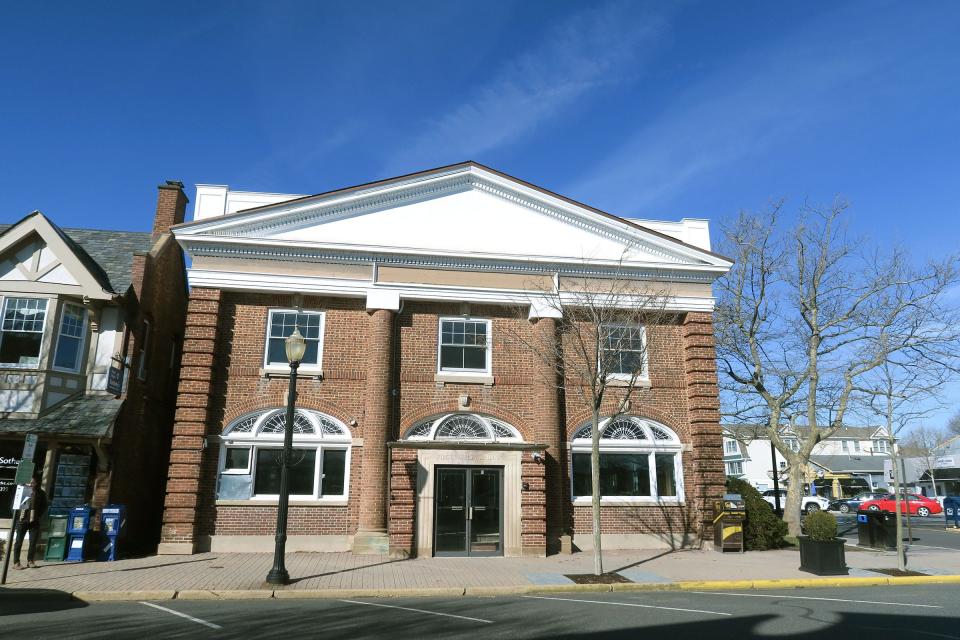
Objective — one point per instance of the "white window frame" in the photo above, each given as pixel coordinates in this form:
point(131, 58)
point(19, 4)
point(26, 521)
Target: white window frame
point(284, 367)
point(83, 338)
point(730, 447)
point(144, 349)
point(238, 471)
point(731, 468)
point(881, 446)
point(650, 447)
point(465, 372)
point(255, 440)
point(792, 443)
point(43, 332)
point(643, 378)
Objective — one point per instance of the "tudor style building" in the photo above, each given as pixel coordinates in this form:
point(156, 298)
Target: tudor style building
point(79, 307)
point(421, 429)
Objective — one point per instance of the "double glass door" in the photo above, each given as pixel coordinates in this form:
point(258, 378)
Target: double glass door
point(467, 512)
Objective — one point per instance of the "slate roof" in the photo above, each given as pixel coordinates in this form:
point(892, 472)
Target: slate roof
point(872, 464)
point(85, 417)
point(108, 255)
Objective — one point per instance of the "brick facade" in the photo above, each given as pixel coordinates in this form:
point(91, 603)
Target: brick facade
point(378, 378)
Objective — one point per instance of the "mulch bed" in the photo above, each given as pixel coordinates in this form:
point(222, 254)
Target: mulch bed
point(897, 573)
point(603, 578)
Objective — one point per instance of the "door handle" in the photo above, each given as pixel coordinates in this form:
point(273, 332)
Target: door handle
point(470, 514)
point(479, 508)
point(456, 508)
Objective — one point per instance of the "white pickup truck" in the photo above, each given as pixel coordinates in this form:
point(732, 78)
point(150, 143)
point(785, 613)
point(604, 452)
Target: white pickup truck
point(808, 504)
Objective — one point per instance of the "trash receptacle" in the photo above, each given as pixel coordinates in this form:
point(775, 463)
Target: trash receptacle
point(56, 539)
point(951, 511)
point(877, 529)
point(78, 532)
point(112, 518)
point(729, 515)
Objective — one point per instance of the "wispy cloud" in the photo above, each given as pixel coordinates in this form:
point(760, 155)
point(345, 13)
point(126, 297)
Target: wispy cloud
point(743, 110)
point(598, 46)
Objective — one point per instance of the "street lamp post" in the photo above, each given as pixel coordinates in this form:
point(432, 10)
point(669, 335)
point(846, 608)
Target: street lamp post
point(295, 347)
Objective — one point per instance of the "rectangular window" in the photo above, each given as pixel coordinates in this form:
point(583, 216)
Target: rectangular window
point(144, 350)
point(281, 324)
point(464, 345)
point(333, 481)
point(793, 444)
point(731, 446)
point(856, 446)
point(70, 340)
point(734, 468)
point(236, 460)
point(783, 465)
point(623, 351)
point(628, 475)
point(881, 446)
point(846, 446)
point(303, 463)
point(22, 331)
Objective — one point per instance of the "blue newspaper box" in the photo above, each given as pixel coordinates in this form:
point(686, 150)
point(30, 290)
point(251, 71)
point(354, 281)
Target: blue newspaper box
point(112, 518)
point(951, 510)
point(78, 530)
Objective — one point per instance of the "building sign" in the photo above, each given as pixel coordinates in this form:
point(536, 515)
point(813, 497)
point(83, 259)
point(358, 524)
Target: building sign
point(30, 446)
point(24, 472)
point(945, 462)
point(115, 380)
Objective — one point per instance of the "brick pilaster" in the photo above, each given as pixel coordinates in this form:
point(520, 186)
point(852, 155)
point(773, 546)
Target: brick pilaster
point(703, 407)
point(549, 430)
point(376, 433)
point(178, 534)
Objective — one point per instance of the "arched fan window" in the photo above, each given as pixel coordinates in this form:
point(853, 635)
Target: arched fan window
point(640, 461)
point(463, 426)
point(251, 458)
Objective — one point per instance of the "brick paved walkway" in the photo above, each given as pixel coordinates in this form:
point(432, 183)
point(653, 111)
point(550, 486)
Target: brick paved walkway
point(231, 571)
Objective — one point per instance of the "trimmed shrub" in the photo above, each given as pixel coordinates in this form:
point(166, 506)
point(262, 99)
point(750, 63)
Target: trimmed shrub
point(763, 528)
point(821, 526)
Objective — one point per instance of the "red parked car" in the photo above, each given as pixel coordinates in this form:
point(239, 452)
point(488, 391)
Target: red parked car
point(918, 505)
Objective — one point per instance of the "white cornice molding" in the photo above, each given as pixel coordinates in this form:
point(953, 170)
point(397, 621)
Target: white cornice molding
point(208, 278)
point(297, 251)
point(282, 216)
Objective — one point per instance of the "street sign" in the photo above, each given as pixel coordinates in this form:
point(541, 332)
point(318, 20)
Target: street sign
point(115, 380)
point(24, 472)
point(23, 493)
point(30, 446)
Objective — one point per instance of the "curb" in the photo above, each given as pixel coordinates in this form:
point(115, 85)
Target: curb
point(457, 592)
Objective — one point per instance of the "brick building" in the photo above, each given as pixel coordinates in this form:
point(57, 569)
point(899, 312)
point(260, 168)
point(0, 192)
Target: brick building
point(424, 424)
point(92, 324)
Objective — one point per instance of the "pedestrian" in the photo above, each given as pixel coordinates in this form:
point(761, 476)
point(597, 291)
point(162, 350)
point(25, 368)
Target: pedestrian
point(31, 511)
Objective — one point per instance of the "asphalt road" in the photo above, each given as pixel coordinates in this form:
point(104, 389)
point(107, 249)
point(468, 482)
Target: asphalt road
point(921, 612)
point(928, 533)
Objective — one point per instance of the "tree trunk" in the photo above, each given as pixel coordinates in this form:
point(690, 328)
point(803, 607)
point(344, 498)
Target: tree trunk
point(791, 511)
point(901, 552)
point(595, 492)
point(933, 483)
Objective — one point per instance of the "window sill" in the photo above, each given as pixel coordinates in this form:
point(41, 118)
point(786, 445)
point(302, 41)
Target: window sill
point(630, 502)
point(284, 372)
point(272, 502)
point(639, 383)
point(463, 378)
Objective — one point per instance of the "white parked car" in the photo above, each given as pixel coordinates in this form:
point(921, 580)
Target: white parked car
point(808, 504)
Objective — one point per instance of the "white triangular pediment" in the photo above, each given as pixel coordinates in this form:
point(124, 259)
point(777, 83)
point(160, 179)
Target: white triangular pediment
point(469, 222)
point(468, 211)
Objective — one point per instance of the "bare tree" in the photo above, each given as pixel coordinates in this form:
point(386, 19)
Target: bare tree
point(599, 356)
point(800, 323)
point(953, 425)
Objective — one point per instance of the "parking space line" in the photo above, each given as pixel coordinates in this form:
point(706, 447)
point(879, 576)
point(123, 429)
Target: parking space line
point(432, 613)
point(183, 615)
point(631, 604)
point(927, 546)
point(925, 633)
point(766, 595)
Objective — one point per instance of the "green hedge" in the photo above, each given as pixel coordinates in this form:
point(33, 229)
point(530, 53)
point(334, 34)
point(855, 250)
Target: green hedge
point(763, 528)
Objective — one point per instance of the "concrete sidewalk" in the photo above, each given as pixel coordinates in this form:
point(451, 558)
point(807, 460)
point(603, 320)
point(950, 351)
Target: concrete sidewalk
point(183, 576)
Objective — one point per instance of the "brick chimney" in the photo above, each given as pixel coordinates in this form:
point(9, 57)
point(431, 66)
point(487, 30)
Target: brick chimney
point(171, 206)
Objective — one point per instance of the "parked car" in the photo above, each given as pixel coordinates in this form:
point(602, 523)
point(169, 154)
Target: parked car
point(808, 504)
point(846, 505)
point(918, 505)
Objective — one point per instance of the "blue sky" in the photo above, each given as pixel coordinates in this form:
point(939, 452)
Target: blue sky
point(658, 110)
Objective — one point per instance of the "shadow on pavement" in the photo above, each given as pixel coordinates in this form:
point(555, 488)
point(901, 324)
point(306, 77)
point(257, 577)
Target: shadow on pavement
point(32, 601)
point(61, 576)
point(348, 570)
